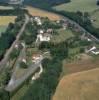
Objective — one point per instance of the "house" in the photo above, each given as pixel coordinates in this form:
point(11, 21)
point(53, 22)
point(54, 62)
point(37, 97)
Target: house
point(96, 51)
point(24, 60)
point(41, 31)
point(58, 21)
point(89, 40)
point(93, 50)
point(16, 46)
point(43, 37)
point(38, 20)
point(90, 49)
point(37, 57)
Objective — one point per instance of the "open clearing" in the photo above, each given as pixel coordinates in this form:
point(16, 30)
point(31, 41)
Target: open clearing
point(5, 20)
point(83, 6)
point(79, 86)
point(2, 28)
point(62, 35)
point(78, 5)
point(38, 12)
point(85, 63)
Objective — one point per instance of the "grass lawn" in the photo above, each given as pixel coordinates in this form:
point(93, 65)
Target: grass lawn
point(5, 20)
point(2, 28)
point(62, 35)
point(83, 6)
point(38, 12)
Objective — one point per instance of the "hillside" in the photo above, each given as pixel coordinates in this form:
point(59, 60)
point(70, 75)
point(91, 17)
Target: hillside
point(41, 3)
point(42, 13)
point(79, 86)
point(83, 6)
point(44, 3)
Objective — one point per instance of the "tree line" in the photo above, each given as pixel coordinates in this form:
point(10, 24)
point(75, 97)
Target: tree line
point(10, 34)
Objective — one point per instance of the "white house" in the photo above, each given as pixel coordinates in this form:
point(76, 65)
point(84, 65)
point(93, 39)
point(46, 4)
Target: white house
point(96, 52)
point(24, 60)
point(91, 49)
point(43, 37)
point(89, 40)
point(41, 31)
point(16, 46)
point(38, 20)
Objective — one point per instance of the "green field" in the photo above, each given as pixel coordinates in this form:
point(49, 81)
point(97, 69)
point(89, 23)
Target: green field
point(62, 35)
point(2, 29)
point(20, 92)
point(75, 5)
point(83, 6)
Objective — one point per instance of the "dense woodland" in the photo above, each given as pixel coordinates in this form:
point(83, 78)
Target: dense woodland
point(10, 12)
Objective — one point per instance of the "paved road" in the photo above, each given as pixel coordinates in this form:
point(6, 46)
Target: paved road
point(4, 61)
point(15, 83)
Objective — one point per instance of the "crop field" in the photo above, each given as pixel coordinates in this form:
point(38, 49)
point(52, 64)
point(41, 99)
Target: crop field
point(79, 86)
point(37, 12)
point(83, 6)
point(5, 20)
point(85, 63)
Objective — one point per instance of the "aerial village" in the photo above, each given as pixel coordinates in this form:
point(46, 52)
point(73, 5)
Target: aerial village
point(26, 54)
point(34, 59)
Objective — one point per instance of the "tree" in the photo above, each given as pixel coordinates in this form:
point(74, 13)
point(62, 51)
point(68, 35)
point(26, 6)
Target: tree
point(23, 64)
point(4, 95)
point(14, 54)
point(97, 2)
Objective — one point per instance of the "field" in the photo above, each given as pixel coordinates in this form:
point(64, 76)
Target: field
point(82, 5)
point(37, 12)
point(2, 28)
point(5, 20)
point(62, 35)
point(85, 63)
point(20, 92)
point(4, 7)
point(79, 86)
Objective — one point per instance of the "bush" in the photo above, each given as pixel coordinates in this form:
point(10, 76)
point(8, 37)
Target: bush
point(23, 65)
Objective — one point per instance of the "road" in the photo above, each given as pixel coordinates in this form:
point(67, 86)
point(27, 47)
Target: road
point(4, 61)
point(81, 28)
point(15, 83)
